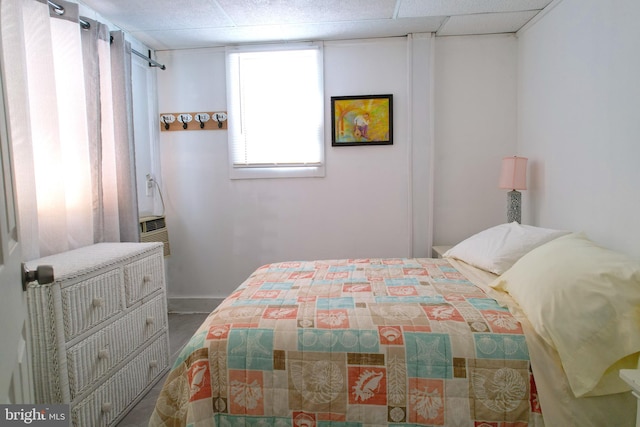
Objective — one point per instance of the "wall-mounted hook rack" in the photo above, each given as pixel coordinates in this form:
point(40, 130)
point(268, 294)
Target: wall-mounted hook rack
point(216, 120)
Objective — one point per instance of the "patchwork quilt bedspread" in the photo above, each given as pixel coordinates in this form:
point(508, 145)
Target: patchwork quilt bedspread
point(382, 342)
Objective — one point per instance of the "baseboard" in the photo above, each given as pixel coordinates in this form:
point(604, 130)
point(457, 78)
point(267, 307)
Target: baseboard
point(192, 305)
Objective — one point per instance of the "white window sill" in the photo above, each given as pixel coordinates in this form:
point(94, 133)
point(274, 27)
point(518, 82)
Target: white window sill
point(275, 172)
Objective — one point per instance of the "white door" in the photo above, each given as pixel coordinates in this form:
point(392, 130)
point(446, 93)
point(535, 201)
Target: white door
point(15, 371)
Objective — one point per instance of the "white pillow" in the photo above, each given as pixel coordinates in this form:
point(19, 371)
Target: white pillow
point(584, 301)
point(498, 248)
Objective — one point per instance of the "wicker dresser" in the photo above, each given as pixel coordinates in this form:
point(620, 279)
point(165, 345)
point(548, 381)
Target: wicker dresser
point(99, 332)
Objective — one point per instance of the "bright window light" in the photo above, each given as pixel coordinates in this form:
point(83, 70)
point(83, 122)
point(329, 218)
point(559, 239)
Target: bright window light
point(276, 111)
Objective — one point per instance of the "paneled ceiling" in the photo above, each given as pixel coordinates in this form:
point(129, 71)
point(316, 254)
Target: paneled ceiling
point(179, 24)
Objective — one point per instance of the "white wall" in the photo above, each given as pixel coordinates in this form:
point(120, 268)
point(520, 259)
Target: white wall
point(579, 110)
point(475, 127)
point(373, 199)
point(221, 230)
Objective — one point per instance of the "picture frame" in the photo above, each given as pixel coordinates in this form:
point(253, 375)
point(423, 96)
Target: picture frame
point(361, 120)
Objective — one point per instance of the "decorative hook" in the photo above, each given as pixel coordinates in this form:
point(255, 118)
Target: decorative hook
point(200, 121)
point(220, 117)
point(167, 119)
point(184, 121)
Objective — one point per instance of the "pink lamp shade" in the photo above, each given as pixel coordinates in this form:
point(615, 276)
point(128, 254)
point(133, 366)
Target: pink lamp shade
point(514, 173)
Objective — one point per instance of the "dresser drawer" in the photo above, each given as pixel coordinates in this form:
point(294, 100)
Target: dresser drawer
point(104, 406)
point(143, 277)
point(151, 318)
point(91, 359)
point(90, 302)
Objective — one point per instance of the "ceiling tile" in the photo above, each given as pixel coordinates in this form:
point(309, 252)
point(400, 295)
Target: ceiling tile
point(485, 23)
point(410, 8)
point(264, 12)
point(141, 15)
point(209, 37)
point(178, 24)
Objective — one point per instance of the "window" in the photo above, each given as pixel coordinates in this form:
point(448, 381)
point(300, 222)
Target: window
point(276, 111)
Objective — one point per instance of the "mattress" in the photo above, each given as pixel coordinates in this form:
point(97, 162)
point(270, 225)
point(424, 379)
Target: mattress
point(383, 342)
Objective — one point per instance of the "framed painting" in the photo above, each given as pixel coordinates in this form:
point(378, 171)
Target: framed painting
point(361, 120)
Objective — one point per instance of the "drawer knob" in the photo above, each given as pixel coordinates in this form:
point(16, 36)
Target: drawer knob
point(97, 302)
point(106, 407)
point(150, 320)
point(146, 279)
point(103, 354)
point(153, 364)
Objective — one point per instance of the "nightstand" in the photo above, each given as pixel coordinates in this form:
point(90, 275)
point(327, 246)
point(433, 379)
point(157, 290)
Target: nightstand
point(439, 251)
point(632, 377)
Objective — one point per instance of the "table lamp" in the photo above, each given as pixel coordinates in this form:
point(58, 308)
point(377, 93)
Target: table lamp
point(514, 177)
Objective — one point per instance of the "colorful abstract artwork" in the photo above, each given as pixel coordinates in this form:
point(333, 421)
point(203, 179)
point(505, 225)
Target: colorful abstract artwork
point(362, 120)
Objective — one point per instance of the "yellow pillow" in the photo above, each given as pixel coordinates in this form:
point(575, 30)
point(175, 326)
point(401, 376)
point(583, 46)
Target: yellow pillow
point(583, 300)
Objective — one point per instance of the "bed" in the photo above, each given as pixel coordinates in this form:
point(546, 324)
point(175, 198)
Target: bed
point(385, 342)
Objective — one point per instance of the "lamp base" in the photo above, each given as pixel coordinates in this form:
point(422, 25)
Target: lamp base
point(514, 202)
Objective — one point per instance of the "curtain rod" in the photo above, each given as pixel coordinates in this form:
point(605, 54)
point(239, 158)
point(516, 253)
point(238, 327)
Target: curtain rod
point(86, 25)
point(152, 63)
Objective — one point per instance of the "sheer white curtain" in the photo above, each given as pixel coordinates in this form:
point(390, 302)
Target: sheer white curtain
point(62, 129)
point(97, 76)
point(123, 131)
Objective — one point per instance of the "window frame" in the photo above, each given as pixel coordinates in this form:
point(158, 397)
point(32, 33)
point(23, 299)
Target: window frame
point(234, 107)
